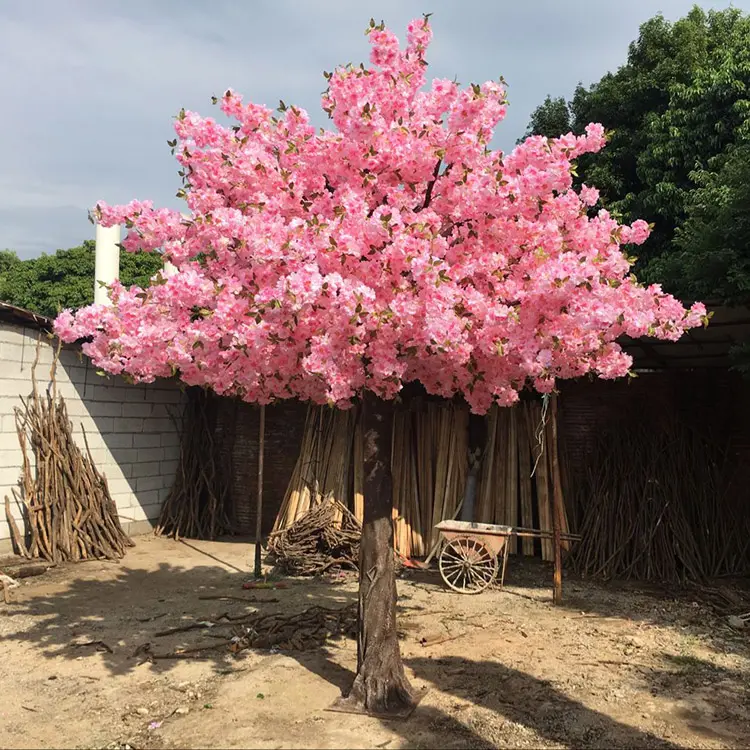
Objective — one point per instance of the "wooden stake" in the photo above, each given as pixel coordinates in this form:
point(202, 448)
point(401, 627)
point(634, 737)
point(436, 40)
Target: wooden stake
point(524, 469)
point(259, 506)
point(511, 476)
point(359, 476)
point(557, 510)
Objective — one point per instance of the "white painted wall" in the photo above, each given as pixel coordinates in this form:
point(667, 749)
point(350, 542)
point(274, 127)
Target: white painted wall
point(133, 440)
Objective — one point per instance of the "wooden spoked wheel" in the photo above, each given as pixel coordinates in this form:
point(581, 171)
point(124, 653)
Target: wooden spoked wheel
point(467, 565)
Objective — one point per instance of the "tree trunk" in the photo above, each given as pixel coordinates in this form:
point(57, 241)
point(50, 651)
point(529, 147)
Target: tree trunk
point(380, 687)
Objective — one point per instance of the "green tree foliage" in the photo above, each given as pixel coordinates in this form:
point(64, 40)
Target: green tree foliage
point(710, 257)
point(552, 118)
point(8, 260)
point(51, 283)
point(679, 112)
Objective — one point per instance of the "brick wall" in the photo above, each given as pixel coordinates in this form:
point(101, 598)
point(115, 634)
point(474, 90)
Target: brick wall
point(237, 426)
point(132, 437)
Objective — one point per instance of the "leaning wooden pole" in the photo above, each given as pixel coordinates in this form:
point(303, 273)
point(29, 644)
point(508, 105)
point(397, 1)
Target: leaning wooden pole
point(259, 507)
point(557, 510)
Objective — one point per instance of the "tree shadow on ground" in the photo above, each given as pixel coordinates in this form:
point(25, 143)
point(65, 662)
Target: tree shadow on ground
point(122, 610)
point(115, 610)
point(507, 708)
point(512, 698)
point(111, 612)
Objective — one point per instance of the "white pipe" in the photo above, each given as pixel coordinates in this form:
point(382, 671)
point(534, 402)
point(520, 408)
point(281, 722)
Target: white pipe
point(106, 262)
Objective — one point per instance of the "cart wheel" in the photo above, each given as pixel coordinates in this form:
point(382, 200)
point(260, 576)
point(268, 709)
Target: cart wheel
point(467, 565)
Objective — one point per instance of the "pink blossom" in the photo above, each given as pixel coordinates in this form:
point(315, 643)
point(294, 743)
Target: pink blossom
point(394, 247)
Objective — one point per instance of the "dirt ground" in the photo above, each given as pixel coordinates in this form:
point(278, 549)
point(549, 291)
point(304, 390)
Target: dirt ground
point(616, 666)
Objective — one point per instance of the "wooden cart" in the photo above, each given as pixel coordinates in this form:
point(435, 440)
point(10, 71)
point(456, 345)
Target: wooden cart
point(469, 559)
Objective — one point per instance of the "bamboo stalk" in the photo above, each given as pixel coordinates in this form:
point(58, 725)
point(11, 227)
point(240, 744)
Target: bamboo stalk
point(525, 480)
point(259, 502)
point(484, 512)
point(541, 457)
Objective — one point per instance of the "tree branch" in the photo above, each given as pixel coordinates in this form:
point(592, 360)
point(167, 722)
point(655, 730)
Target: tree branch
point(384, 202)
point(430, 186)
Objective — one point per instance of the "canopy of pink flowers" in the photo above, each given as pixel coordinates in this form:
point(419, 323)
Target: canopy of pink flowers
point(395, 247)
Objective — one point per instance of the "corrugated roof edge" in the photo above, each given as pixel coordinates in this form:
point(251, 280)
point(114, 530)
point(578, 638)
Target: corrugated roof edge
point(19, 316)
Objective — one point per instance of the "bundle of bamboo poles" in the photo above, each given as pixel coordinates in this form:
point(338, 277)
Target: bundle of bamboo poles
point(323, 466)
point(518, 475)
point(443, 463)
point(198, 504)
point(429, 467)
point(658, 503)
point(429, 464)
point(407, 523)
point(69, 512)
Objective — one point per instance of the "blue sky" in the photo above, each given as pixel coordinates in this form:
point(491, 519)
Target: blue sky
point(89, 88)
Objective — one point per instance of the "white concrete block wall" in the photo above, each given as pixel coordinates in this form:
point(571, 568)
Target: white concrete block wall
point(131, 429)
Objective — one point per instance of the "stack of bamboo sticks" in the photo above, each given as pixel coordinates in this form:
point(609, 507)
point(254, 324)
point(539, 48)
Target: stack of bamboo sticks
point(430, 463)
point(429, 466)
point(516, 480)
point(322, 469)
point(659, 502)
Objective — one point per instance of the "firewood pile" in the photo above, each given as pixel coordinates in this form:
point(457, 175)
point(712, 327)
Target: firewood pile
point(69, 512)
point(324, 539)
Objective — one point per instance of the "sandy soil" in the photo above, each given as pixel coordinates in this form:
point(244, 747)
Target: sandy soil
point(615, 667)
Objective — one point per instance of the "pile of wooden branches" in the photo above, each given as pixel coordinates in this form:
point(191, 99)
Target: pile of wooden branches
point(197, 506)
point(724, 600)
point(69, 512)
point(326, 538)
point(658, 504)
point(303, 631)
point(297, 632)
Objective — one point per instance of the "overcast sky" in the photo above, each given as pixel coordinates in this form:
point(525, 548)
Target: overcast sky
point(89, 87)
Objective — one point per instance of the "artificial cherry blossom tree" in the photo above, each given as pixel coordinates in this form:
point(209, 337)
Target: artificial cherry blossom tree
point(338, 265)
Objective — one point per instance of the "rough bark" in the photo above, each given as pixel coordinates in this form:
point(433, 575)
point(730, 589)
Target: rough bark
point(380, 686)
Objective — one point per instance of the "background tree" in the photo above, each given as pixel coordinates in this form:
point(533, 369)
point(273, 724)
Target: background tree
point(676, 108)
point(552, 118)
point(339, 265)
point(65, 280)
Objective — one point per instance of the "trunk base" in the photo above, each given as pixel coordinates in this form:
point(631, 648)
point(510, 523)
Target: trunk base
point(400, 701)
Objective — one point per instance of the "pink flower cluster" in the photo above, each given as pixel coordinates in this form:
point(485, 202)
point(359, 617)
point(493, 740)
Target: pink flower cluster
point(395, 247)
